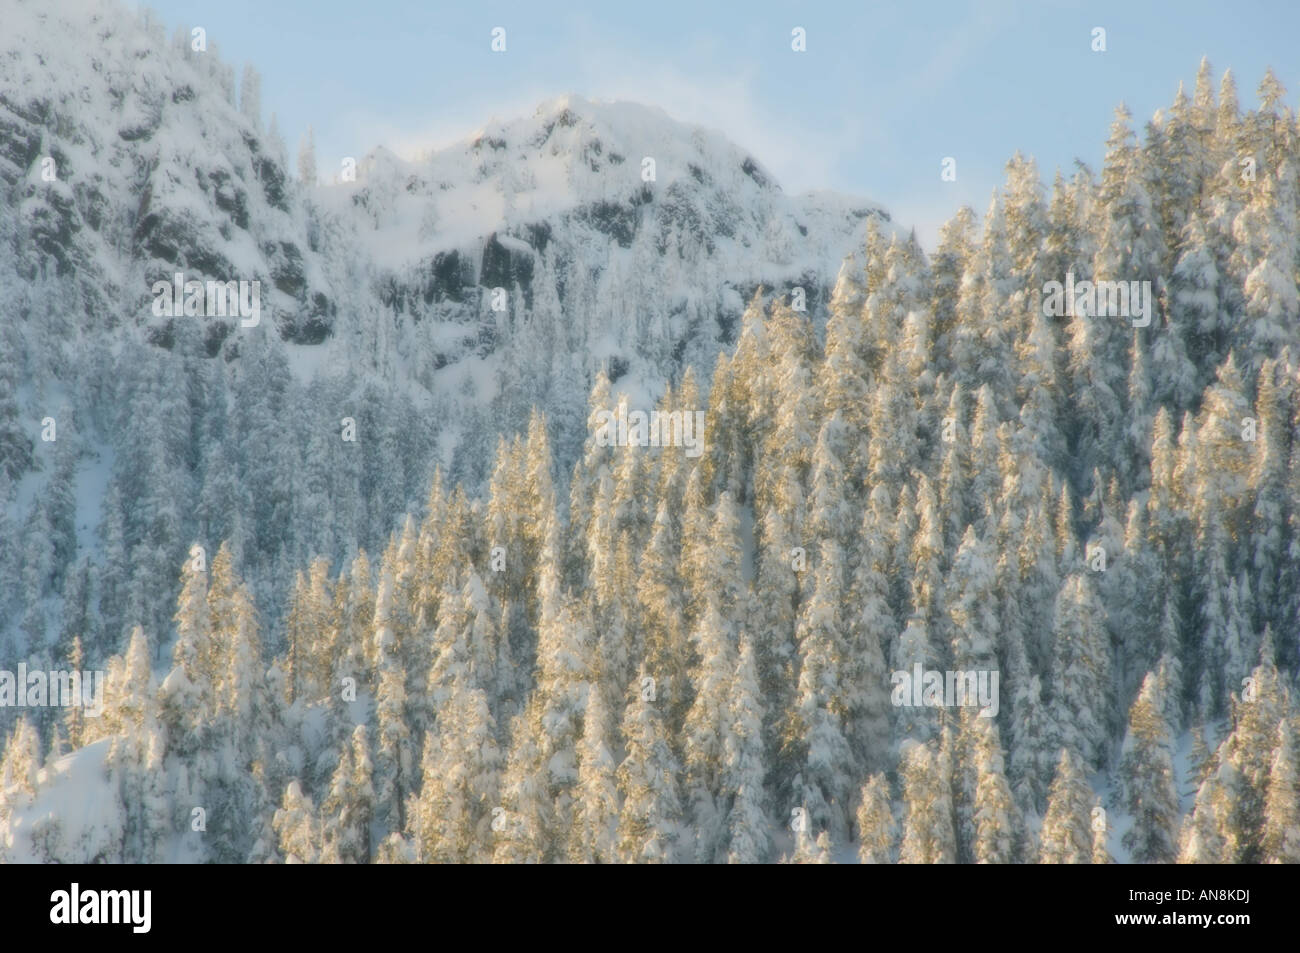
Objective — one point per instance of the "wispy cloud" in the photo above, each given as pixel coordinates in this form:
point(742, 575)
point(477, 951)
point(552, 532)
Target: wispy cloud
point(798, 147)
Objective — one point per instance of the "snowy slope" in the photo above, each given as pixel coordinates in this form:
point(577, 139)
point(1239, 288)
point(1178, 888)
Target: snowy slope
point(77, 817)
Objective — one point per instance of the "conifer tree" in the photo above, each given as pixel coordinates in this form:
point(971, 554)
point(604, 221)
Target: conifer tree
point(1147, 770)
point(297, 827)
point(451, 817)
point(743, 791)
point(596, 812)
point(649, 829)
point(1201, 840)
point(21, 759)
point(565, 670)
point(662, 606)
point(816, 729)
point(810, 850)
point(1280, 842)
point(707, 730)
point(1246, 759)
point(972, 605)
point(927, 556)
point(349, 805)
point(870, 629)
point(1100, 835)
point(525, 806)
point(995, 817)
point(307, 159)
point(1201, 760)
point(875, 822)
point(1066, 837)
point(928, 835)
point(1080, 670)
point(394, 765)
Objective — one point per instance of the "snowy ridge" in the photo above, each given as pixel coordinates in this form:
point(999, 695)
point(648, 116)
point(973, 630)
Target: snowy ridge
point(574, 153)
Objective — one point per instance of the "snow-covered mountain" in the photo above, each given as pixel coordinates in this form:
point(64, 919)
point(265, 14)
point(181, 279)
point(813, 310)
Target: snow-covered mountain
point(156, 169)
point(435, 301)
point(621, 238)
point(676, 657)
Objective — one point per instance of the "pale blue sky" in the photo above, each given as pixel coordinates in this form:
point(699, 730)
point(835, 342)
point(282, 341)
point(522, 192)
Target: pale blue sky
point(882, 94)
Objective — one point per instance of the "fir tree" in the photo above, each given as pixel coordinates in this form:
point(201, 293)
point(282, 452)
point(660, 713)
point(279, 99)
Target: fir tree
point(875, 822)
point(349, 805)
point(1066, 837)
point(1147, 772)
point(649, 827)
point(297, 827)
point(1281, 837)
point(996, 820)
point(928, 835)
point(743, 776)
point(596, 812)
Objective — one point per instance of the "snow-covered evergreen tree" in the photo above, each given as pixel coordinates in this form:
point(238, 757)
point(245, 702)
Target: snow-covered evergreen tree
point(596, 811)
point(875, 822)
point(1281, 836)
point(1147, 772)
point(1066, 836)
point(298, 828)
point(650, 823)
point(928, 835)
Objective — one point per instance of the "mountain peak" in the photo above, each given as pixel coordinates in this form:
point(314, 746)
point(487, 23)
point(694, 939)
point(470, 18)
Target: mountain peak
point(622, 161)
